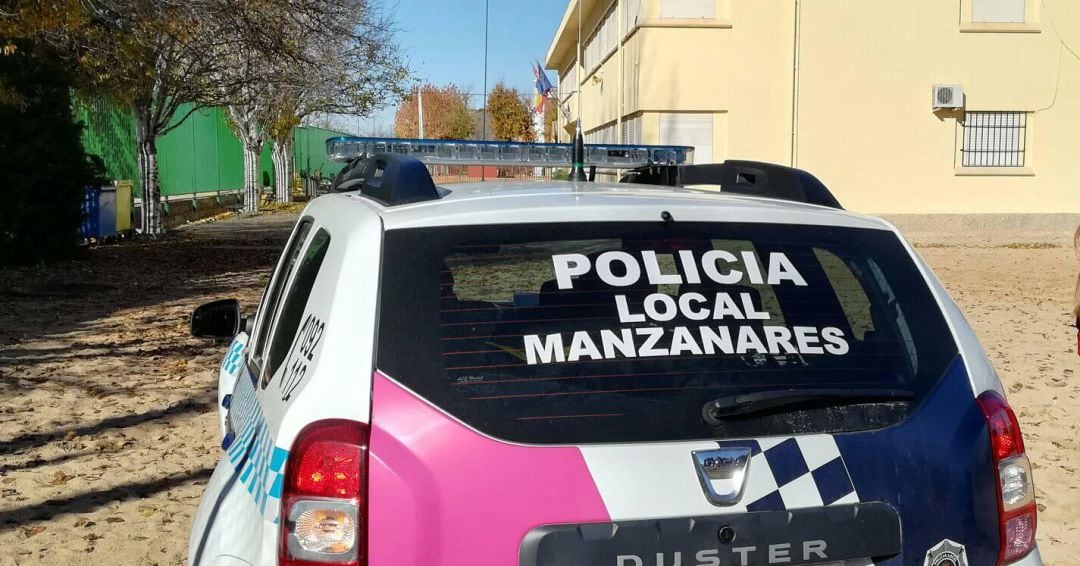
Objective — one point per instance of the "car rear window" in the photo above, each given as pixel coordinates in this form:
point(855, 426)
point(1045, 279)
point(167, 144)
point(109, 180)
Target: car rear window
point(623, 332)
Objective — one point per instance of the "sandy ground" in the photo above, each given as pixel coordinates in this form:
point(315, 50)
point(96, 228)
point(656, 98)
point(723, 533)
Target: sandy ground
point(107, 430)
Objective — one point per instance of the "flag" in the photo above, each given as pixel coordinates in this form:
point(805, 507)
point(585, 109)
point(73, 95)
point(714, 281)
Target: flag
point(543, 88)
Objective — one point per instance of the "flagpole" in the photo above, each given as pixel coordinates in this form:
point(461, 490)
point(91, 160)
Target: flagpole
point(483, 127)
point(420, 109)
point(580, 64)
point(483, 133)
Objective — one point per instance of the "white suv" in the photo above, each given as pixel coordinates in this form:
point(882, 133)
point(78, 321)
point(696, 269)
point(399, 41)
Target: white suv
point(610, 374)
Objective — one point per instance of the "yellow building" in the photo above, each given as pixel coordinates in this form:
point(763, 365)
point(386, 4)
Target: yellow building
point(914, 106)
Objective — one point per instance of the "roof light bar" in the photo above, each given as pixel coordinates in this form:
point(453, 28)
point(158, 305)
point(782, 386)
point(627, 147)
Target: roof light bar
point(467, 152)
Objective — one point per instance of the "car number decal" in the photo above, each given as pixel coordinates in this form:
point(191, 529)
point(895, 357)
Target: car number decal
point(302, 354)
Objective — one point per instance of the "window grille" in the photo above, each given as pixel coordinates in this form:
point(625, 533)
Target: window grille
point(994, 139)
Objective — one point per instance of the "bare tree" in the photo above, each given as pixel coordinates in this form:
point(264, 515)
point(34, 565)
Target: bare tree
point(247, 112)
point(256, 34)
point(272, 62)
point(347, 63)
point(319, 56)
point(150, 55)
point(153, 55)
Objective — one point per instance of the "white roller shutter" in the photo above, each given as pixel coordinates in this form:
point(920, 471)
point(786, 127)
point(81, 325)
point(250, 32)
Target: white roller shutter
point(688, 9)
point(632, 12)
point(997, 11)
point(694, 129)
point(632, 130)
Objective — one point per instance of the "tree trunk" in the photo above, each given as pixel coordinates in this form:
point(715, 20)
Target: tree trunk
point(283, 169)
point(251, 179)
point(276, 159)
point(146, 144)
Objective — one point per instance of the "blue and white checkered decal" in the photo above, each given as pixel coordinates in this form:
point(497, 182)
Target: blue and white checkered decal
point(254, 456)
point(797, 472)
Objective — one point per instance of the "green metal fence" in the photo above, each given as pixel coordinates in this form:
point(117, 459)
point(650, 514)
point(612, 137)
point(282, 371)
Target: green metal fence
point(109, 133)
point(201, 155)
point(309, 149)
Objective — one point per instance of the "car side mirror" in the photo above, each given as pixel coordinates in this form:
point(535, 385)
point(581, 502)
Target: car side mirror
point(218, 319)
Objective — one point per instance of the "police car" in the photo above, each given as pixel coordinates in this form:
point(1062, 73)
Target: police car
point(604, 374)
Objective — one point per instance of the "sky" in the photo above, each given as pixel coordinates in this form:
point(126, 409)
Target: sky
point(443, 41)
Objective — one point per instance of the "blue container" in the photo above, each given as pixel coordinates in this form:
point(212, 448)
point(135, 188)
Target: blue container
point(99, 213)
point(90, 213)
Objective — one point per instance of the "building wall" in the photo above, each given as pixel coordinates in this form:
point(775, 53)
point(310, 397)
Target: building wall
point(887, 151)
point(858, 77)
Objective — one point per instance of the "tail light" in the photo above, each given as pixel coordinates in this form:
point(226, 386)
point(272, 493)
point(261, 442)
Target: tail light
point(1016, 491)
point(323, 501)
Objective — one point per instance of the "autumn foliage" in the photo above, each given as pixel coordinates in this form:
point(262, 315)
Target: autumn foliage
point(510, 115)
point(446, 114)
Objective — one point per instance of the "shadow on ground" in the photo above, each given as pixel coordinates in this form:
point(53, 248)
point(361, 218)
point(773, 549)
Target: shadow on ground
point(108, 422)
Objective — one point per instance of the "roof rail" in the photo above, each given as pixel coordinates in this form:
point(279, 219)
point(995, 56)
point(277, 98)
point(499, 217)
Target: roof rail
point(754, 178)
point(387, 178)
point(508, 154)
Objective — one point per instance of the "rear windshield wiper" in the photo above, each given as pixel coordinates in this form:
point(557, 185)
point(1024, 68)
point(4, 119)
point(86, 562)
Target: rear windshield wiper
point(715, 411)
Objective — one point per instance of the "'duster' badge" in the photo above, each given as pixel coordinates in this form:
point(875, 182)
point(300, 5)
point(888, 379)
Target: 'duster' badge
point(946, 553)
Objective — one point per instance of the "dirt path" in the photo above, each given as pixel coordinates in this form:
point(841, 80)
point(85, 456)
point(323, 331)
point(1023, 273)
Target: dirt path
point(106, 405)
point(1018, 300)
point(107, 431)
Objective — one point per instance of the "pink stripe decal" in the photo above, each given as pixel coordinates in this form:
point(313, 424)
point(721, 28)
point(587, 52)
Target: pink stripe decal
point(441, 494)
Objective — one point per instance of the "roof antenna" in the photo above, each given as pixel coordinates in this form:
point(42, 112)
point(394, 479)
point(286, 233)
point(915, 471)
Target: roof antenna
point(577, 171)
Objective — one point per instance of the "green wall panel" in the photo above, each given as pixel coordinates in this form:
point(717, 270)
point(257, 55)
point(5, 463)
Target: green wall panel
point(207, 129)
point(266, 166)
point(200, 155)
point(176, 158)
point(309, 151)
point(229, 153)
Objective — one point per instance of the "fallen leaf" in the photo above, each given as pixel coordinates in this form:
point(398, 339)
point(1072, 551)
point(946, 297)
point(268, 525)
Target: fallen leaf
point(31, 531)
point(59, 478)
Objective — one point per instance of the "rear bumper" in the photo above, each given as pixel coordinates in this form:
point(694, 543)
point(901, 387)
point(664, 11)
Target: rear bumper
point(843, 533)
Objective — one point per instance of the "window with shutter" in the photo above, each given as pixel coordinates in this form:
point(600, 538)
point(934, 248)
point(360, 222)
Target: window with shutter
point(997, 11)
point(568, 82)
point(688, 9)
point(632, 13)
point(631, 130)
point(693, 129)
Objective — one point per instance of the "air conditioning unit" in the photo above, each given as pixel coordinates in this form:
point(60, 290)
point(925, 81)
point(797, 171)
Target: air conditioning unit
point(948, 96)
